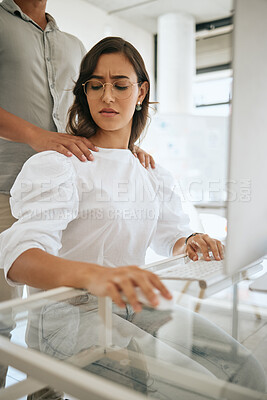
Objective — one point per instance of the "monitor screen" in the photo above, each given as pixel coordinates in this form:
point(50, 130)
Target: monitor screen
point(247, 178)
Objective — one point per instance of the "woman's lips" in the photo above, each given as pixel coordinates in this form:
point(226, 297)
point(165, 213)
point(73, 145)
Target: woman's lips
point(108, 112)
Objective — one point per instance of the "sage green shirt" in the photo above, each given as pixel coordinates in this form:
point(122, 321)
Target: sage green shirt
point(37, 70)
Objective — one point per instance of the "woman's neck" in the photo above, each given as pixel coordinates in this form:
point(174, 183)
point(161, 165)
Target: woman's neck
point(111, 139)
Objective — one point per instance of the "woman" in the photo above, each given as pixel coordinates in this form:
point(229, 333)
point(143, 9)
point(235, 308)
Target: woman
point(76, 220)
point(111, 107)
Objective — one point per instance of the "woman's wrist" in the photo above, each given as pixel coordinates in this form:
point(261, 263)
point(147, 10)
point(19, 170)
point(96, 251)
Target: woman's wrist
point(80, 275)
point(192, 235)
point(179, 246)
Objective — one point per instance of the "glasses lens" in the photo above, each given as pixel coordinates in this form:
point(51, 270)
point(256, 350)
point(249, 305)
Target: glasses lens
point(93, 88)
point(122, 89)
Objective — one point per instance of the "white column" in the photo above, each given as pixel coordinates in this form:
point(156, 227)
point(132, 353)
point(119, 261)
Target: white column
point(176, 63)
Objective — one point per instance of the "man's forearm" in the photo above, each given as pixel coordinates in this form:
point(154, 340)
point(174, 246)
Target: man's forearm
point(16, 129)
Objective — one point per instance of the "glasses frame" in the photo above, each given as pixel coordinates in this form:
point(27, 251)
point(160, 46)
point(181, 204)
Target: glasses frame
point(107, 83)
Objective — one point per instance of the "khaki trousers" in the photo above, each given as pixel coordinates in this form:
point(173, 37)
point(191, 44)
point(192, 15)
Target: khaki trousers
point(6, 220)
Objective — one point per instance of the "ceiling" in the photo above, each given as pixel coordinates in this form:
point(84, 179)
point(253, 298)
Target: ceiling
point(144, 13)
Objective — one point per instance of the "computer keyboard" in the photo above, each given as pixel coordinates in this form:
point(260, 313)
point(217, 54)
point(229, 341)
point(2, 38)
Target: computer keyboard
point(194, 269)
point(209, 275)
point(205, 272)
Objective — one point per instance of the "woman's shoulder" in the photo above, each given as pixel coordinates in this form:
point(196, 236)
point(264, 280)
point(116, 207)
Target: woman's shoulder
point(48, 163)
point(161, 174)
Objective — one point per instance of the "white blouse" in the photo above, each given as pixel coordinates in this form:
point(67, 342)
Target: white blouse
point(108, 211)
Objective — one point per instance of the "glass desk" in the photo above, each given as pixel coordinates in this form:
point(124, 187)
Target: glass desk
point(71, 341)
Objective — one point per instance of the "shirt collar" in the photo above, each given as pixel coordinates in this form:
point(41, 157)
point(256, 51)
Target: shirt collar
point(51, 23)
point(13, 8)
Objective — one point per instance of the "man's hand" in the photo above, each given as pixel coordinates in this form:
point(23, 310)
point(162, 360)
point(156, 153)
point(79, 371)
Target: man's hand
point(203, 243)
point(18, 130)
point(144, 158)
point(63, 143)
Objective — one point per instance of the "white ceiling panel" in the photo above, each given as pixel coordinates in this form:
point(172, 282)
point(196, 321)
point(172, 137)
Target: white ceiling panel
point(145, 13)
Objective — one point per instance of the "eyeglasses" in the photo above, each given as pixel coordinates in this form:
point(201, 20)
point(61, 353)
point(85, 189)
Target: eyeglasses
point(121, 89)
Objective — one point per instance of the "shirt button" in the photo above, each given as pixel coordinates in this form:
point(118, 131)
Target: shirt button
point(52, 86)
point(48, 59)
point(55, 116)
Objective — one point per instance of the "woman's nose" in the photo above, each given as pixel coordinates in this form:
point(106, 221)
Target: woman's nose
point(108, 95)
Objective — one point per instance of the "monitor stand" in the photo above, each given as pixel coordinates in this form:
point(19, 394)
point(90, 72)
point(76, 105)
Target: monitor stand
point(260, 284)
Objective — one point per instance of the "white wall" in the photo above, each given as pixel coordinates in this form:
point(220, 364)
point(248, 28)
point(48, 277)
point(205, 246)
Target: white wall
point(90, 24)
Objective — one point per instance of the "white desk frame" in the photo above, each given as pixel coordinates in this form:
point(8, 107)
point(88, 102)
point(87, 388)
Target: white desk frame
point(82, 384)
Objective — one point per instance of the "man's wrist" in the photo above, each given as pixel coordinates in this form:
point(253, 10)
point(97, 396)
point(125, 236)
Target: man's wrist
point(30, 134)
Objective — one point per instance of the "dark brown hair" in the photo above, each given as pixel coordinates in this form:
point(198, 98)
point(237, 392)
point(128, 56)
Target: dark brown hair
point(80, 121)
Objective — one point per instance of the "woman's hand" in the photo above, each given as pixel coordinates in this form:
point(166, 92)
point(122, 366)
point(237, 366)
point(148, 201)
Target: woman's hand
point(144, 158)
point(203, 243)
point(116, 282)
point(63, 143)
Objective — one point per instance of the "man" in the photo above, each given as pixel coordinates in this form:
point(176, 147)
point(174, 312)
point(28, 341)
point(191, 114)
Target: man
point(38, 64)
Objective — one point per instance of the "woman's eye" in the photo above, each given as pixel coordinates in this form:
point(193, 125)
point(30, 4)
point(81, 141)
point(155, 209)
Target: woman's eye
point(117, 87)
point(96, 87)
point(121, 86)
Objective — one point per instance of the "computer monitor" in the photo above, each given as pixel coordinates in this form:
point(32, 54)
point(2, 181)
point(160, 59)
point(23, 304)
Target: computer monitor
point(247, 198)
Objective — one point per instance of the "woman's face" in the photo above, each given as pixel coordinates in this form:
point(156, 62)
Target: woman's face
point(109, 111)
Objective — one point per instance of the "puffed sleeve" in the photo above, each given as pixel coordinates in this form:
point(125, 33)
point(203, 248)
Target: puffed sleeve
point(44, 199)
point(172, 223)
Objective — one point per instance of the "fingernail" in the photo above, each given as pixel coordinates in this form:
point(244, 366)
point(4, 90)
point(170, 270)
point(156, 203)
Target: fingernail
point(83, 158)
point(91, 157)
point(144, 165)
point(69, 154)
point(195, 258)
point(96, 148)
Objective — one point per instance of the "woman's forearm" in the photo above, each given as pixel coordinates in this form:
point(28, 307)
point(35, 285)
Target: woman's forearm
point(39, 269)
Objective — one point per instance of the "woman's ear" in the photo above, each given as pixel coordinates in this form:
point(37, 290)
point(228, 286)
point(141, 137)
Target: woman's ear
point(143, 91)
